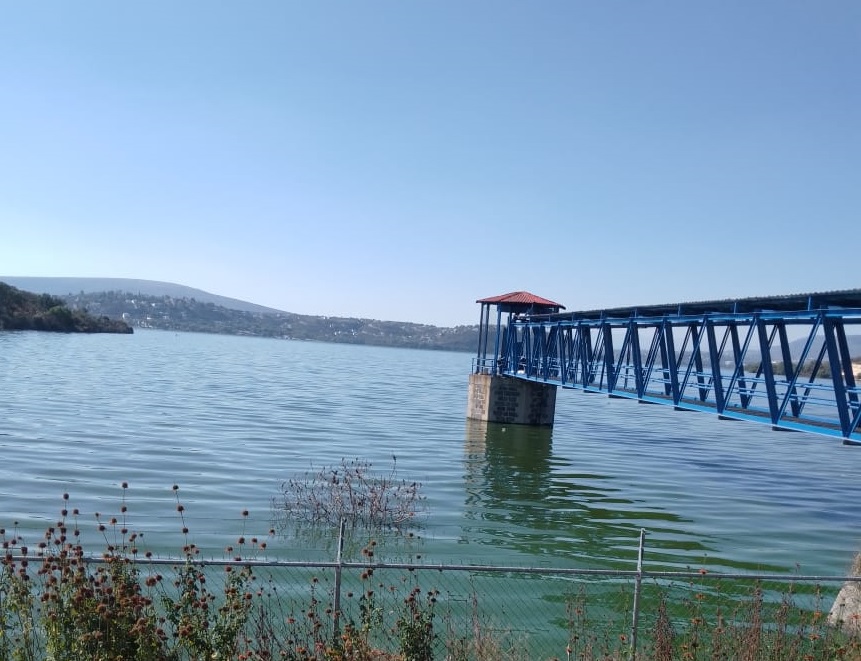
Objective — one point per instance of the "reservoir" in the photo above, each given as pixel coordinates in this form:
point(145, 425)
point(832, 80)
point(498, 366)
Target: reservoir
point(229, 419)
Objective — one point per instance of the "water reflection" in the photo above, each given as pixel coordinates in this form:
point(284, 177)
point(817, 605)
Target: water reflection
point(522, 498)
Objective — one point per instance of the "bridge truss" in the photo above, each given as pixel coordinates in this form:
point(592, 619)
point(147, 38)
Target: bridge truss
point(783, 361)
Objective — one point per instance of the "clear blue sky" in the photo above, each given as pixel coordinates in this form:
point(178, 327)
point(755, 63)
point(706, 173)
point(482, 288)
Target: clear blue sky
point(398, 160)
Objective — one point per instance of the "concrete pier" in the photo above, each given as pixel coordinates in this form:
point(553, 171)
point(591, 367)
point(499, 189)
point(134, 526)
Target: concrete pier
point(495, 398)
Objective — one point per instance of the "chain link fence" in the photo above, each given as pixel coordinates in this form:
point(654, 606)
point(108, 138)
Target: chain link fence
point(259, 609)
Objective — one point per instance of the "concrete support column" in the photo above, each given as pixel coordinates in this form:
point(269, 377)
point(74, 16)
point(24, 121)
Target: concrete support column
point(495, 398)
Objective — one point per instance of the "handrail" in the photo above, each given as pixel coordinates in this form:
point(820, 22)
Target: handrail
point(739, 365)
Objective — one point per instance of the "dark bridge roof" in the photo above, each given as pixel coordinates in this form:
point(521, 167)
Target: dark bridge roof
point(847, 298)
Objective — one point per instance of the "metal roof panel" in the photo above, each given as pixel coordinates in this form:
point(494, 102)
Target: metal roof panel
point(521, 298)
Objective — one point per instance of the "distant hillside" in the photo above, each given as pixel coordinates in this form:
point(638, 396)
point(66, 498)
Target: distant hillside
point(190, 314)
point(797, 346)
point(22, 310)
point(65, 286)
point(168, 306)
point(852, 341)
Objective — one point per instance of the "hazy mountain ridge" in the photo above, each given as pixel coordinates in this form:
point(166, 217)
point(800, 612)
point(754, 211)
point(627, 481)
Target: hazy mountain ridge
point(797, 346)
point(189, 314)
point(168, 306)
point(66, 286)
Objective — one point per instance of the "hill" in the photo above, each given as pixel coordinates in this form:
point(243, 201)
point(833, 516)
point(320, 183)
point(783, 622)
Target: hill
point(67, 286)
point(190, 314)
point(22, 310)
point(852, 341)
point(168, 306)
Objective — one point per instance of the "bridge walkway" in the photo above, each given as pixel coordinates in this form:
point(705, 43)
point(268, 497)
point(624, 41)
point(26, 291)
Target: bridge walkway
point(784, 361)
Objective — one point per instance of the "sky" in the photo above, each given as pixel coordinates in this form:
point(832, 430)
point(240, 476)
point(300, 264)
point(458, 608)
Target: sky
point(398, 160)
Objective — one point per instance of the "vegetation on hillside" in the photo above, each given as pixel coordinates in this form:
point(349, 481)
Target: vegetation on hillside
point(21, 310)
point(189, 314)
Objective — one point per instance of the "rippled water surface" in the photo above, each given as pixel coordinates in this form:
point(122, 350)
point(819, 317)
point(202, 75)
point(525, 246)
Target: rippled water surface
point(229, 419)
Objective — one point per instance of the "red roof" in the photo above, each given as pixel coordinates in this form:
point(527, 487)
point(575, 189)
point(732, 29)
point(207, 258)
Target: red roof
point(521, 298)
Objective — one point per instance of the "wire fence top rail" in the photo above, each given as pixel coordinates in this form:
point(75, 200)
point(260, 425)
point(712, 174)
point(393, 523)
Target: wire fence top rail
point(441, 567)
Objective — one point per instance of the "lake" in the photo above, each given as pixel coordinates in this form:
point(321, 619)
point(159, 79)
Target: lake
point(229, 419)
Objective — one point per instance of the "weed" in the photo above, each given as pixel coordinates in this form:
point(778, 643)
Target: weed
point(415, 625)
point(58, 602)
point(352, 492)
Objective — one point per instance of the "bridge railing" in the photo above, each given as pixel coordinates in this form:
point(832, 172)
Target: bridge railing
point(792, 370)
point(486, 365)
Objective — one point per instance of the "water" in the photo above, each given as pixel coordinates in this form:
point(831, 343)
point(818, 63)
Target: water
point(228, 419)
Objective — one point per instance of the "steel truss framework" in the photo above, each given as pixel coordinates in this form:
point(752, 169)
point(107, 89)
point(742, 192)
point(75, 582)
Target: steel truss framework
point(789, 369)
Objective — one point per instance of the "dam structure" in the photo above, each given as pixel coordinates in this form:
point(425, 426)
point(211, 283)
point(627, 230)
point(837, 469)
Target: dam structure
point(787, 361)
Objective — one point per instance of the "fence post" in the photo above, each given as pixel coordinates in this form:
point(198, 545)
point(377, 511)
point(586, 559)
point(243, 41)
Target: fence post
point(638, 581)
point(336, 599)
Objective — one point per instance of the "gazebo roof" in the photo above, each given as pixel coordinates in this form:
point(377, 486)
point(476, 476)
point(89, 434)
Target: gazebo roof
point(521, 298)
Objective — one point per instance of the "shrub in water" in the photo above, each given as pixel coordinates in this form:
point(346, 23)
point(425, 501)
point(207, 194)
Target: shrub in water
point(352, 492)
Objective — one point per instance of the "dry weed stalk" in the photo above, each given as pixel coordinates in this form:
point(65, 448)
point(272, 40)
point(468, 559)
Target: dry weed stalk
point(350, 491)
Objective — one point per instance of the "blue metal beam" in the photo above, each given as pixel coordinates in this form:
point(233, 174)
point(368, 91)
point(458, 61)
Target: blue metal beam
point(738, 364)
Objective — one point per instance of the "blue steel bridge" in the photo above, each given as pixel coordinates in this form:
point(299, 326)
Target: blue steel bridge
point(782, 360)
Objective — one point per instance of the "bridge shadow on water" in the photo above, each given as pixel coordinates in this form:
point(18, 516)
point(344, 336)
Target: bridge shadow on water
point(522, 498)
